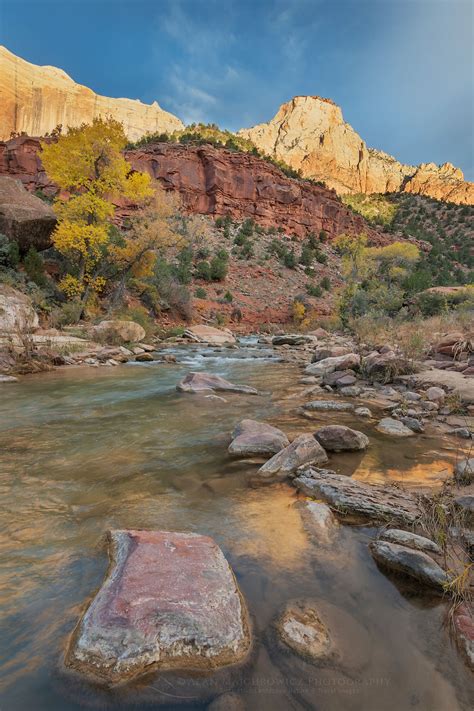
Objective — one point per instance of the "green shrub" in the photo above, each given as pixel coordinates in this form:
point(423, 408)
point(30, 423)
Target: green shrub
point(200, 293)
point(9, 253)
point(431, 303)
point(314, 290)
point(326, 283)
point(289, 259)
point(228, 297)
point(34, 267)
point(307, 255)
point(203, 271)
point(183, 269)
point(219, 266)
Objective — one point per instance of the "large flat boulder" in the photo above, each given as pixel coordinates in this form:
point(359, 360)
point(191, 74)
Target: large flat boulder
point(356, 500)
point(329, 365)
point(459, 384)
point(209, 334)
point(202, 382)
point(394, 428)
point(252, 438)
point(117, 331)
point(169, 601)
point(17, 314)
point(24, 218)
point(302, 450)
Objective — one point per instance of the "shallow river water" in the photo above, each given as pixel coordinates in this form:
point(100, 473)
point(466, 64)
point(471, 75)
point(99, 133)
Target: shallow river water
point(85, 450)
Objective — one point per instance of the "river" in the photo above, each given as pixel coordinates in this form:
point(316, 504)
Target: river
point(83, 450)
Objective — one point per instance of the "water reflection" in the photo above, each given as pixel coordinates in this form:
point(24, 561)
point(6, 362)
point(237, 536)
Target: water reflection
point(85, 450)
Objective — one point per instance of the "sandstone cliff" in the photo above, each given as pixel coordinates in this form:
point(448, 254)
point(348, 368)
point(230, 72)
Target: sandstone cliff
point(215, 182)
point(310, 134)
point(36, 99)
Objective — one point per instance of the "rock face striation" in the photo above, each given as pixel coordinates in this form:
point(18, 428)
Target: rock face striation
point(169, 601)
point(310, 134)
point(221, 182)
point(217, 182)
point(36, 99)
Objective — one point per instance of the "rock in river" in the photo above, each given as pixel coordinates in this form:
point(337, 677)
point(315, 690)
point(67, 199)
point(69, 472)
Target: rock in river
point(169, 601)
point(318, 520)
point(300, 628)
point(410, 540)
point(393, 427)
point(413, 563)
point(302, 450)
point(328, 405)
point(200, 382)
point(337, 438)
point(252, 438)
point(357, 500)
point(209, 334)
point(329, 365)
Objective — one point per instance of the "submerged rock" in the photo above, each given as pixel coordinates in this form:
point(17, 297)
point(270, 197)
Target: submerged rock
point(337, 438)
point(200, 382)
point(302, 450)
point(414, 563)
point(357, 500)
point(253, 438)
point(227, 702)
point(410, 540)
point(169, 601)
point(300, 628)
point(8, 378)
point(318, 520)
point(395, 428)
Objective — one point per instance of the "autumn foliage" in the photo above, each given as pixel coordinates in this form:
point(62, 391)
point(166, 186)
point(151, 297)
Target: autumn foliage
point(88, 166)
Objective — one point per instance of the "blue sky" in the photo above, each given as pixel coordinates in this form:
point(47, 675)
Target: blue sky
point(402, 70)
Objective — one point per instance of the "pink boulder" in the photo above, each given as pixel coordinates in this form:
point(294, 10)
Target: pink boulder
point(169, 601)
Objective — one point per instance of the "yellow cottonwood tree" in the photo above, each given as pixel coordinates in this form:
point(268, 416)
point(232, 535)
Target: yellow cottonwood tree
point(91, 173)
point(150, 230)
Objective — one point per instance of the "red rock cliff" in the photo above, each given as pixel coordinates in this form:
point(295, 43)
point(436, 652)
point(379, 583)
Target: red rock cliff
point(213, 181)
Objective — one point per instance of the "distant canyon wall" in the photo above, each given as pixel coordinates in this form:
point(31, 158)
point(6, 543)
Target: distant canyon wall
point(215, 182)
point(34, 100)
point(308, 132)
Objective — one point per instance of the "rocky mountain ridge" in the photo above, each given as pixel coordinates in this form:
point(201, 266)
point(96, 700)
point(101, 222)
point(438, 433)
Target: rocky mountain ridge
point(36, 99)
point(308, 133)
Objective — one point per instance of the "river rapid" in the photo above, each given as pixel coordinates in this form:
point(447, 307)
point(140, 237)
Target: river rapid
point(84, 450)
